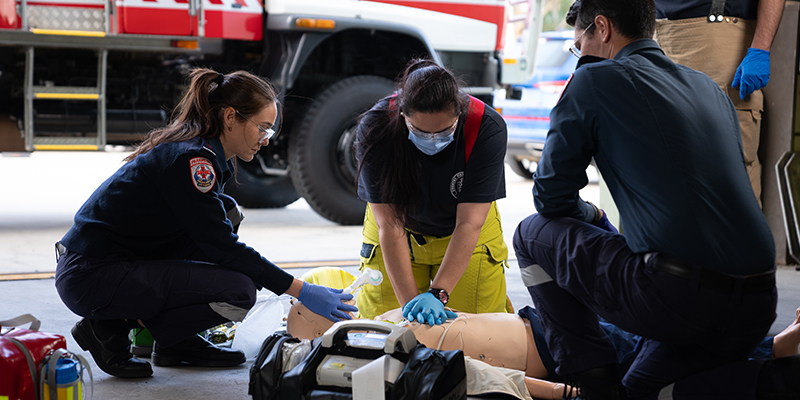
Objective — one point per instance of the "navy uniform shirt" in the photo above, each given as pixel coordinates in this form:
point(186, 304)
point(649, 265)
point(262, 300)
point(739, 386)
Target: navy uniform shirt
point(682, 9)
point(446, 181)
point(666, 140)
point(152, 205)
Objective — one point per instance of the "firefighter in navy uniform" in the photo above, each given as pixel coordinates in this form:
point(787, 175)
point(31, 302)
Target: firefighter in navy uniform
point(155, 245)
point(431, 166)
point(694, 273)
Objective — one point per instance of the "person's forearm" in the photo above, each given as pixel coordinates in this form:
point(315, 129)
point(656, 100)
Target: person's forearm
point(295, 288)
point(456, 258)
point(767, 21)
point(470, 218)
point(398, 265)
point(394, 246)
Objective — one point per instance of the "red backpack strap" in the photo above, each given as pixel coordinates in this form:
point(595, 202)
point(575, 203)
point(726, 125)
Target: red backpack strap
point(472, 125)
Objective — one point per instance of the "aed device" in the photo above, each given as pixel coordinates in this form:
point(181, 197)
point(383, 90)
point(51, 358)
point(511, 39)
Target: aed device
point(337, 369)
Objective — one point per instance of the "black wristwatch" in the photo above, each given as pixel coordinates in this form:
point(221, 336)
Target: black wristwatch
point(440, 294)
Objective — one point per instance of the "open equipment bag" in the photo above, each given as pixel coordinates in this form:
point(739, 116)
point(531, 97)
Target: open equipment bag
point(327, 370)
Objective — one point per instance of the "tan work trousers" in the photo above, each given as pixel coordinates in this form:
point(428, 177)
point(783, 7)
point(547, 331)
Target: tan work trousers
point(717, 49)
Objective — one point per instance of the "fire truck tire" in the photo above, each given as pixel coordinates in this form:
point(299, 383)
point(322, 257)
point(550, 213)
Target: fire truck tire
point(321, 154)
point(254, 191)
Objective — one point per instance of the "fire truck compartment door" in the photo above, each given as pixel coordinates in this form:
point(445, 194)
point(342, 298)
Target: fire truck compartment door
point(158, 17)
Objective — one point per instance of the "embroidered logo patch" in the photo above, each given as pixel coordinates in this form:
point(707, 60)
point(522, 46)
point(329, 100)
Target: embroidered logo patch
point(202, 174)
point(455, 184)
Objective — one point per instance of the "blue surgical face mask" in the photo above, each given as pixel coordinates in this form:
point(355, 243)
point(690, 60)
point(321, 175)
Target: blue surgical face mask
point(430, 145)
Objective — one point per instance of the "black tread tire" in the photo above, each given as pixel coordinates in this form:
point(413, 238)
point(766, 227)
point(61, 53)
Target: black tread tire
point(319, 162)
point(519, 168)
point(254, 191)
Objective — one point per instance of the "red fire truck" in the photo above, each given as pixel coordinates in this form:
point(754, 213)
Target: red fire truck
point(84, 74)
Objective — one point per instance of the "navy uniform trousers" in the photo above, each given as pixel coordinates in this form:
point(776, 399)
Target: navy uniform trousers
point(174, 297)
point(696, 339)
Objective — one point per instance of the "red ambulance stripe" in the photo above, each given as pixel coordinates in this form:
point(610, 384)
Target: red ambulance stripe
point(35, 3)
point(494, 14)
point(489, 13)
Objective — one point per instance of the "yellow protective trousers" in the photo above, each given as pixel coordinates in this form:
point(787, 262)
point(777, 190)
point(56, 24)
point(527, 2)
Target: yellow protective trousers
point(481, 289)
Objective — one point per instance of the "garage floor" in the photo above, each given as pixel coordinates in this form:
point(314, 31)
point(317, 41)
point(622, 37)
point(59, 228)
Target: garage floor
point(39, 297)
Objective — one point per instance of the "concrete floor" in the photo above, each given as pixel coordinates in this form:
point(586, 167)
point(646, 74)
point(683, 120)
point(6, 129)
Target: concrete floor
point(39, 297)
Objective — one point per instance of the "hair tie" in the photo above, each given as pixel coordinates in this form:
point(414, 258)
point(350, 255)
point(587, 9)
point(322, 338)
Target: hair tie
point(220, 79)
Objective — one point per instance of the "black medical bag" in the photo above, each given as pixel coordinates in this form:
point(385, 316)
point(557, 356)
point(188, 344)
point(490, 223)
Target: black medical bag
point(427, 374)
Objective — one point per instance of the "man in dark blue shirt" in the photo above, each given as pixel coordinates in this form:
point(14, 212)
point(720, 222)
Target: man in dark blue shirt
point(697, 258)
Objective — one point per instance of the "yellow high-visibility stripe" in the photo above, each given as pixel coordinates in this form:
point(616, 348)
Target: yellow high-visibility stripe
point(65, 32)
point(68, 96)
point(74, 147)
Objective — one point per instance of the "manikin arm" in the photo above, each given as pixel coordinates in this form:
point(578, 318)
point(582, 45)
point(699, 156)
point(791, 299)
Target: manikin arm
point(542, 389)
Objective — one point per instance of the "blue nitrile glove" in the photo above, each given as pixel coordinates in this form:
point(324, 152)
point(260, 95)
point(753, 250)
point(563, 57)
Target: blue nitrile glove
point(606, 224)
point(326, 301)
point(753, 72)
point(426, 308)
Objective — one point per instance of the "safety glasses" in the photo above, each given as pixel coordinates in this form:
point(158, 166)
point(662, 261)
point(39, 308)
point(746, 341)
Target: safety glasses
point(574, 50)
point(266, 133)
point(417, 132)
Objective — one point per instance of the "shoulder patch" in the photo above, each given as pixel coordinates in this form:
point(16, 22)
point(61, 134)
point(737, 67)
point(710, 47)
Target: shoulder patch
point(202, 172)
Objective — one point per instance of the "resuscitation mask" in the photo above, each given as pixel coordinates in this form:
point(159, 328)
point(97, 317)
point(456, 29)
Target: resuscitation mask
point(431, 143)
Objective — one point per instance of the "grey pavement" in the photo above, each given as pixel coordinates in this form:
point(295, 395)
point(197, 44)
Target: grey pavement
point(49, 187)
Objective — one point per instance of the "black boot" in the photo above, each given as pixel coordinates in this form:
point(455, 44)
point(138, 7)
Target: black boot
point(779, 379)
point(601, 383)
point(107, 341)
point(196, 351)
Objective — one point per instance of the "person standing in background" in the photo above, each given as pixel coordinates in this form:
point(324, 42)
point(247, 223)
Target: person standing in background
point(730, 42)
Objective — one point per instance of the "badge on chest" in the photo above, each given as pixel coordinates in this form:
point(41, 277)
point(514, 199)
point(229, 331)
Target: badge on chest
point(455, 183)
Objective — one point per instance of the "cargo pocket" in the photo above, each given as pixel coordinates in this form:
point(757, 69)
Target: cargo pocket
point(498, 251)
point(491, 280)
point(750, 124)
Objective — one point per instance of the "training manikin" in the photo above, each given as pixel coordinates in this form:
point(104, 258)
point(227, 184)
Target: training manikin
point(498, 339)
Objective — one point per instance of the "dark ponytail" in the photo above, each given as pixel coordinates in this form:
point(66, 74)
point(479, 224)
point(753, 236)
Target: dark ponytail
point(200, 111)
point(423, 87)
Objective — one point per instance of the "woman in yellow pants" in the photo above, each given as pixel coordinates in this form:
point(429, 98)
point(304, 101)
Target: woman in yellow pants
point(431, 168)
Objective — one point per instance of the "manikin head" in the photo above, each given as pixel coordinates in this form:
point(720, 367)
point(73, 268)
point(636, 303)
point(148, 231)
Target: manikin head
point(302, 323)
